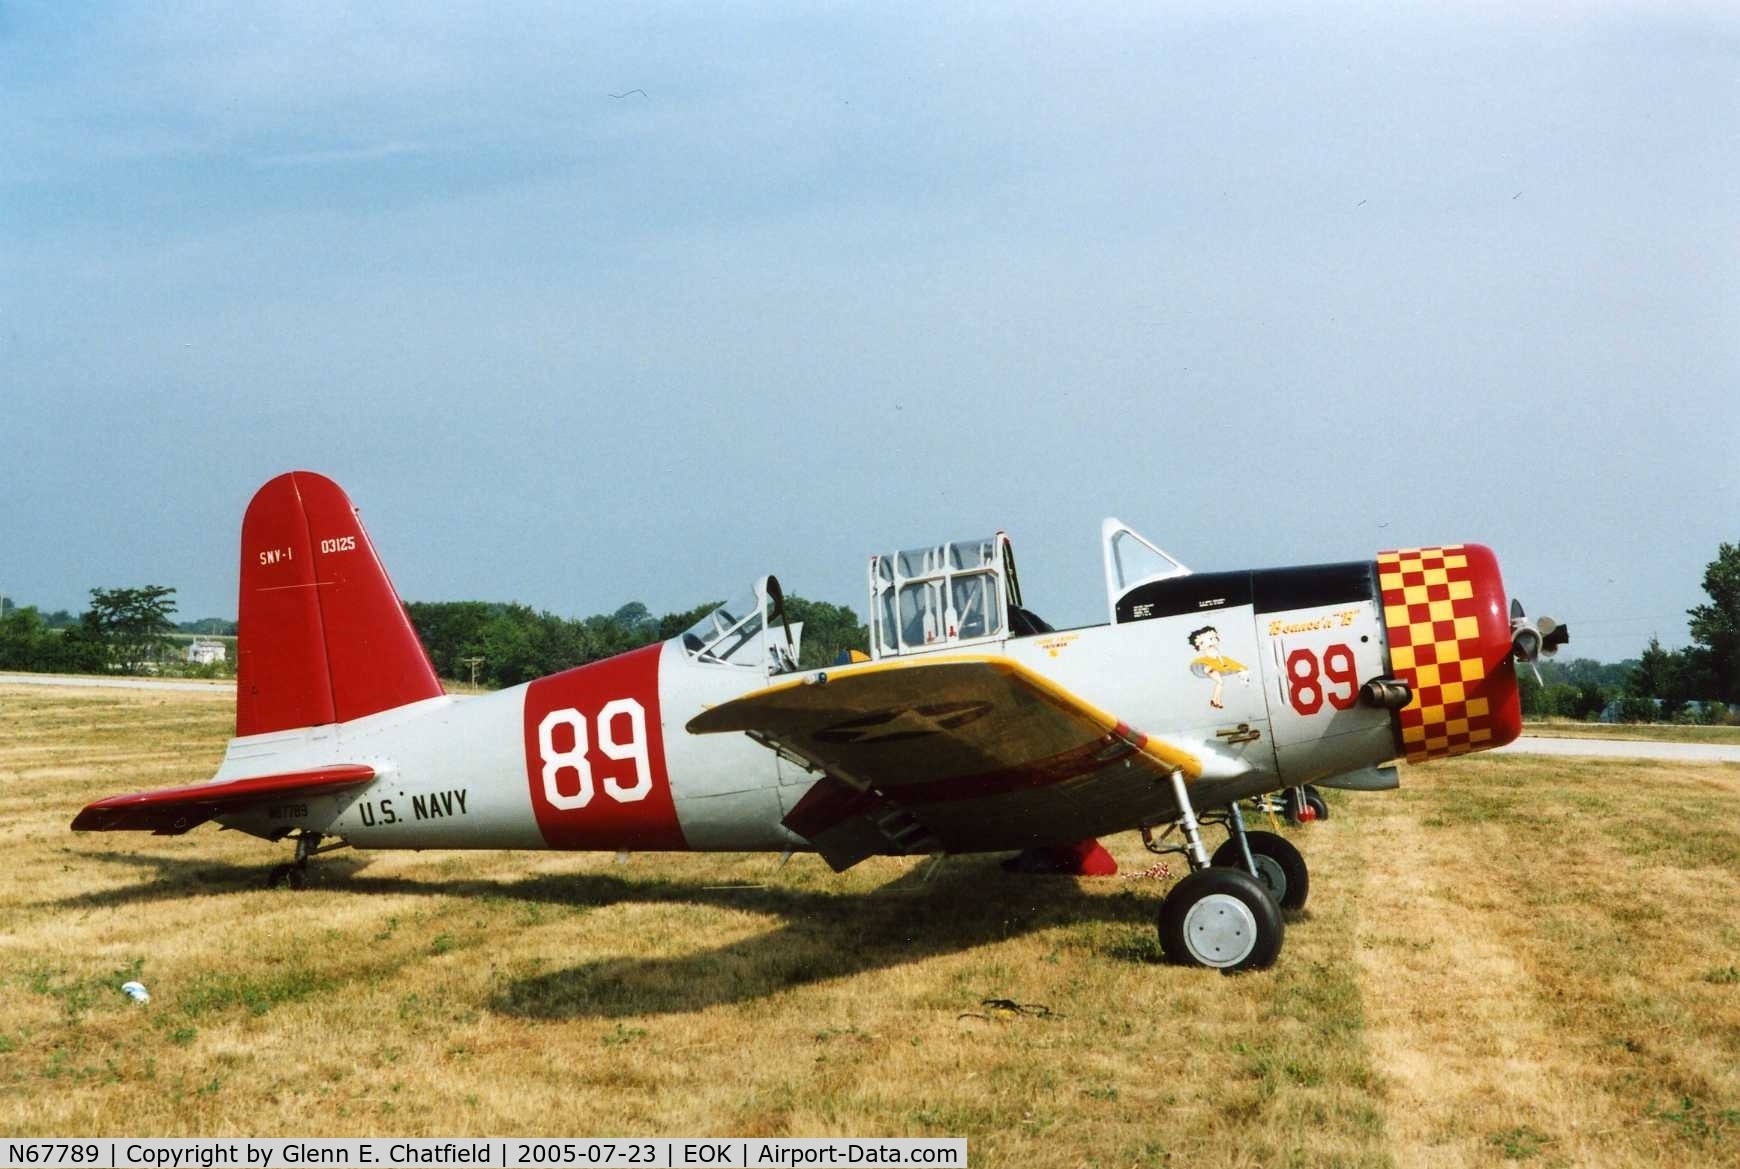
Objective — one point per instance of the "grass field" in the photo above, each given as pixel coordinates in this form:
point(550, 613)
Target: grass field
point(1510, 961)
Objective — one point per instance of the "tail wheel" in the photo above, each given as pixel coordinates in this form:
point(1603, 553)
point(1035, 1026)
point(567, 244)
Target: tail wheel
point(1223, 919)
point(1305, 805)
point(286, 874)
point(1280, 866)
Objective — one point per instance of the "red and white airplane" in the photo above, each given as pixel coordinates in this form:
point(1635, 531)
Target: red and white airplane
point(971, 727)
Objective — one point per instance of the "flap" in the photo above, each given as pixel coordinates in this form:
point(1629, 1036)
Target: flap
point(941, 729)
point(171, 811)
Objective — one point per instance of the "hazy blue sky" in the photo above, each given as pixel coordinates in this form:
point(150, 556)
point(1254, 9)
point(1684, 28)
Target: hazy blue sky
point(1275, 284)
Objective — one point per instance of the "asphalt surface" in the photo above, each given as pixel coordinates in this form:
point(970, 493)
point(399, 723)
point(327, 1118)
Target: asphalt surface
point(115, 683)
point(1626, 749)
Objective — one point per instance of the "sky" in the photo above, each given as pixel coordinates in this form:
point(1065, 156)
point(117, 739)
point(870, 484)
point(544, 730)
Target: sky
point(586, 304)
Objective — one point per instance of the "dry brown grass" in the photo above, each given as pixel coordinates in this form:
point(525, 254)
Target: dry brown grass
point(1512, 960)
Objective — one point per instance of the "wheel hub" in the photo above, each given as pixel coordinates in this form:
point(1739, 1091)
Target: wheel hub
point(1220, 930)
point(1272, 875)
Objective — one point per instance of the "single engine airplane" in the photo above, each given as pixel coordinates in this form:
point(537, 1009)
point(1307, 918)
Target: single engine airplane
point(971, 725)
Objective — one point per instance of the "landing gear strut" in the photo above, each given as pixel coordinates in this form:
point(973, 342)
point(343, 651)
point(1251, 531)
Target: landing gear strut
point(1270, 858)
point(1221, 917)
point(295, 873)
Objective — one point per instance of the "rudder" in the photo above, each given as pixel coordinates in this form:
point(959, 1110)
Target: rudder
point(323, 635)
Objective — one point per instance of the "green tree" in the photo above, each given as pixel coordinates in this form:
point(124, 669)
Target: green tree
point(1564, 700)
point(672, 624)
point(637, 619)
point(1659, 675)
point(133, 624)
point(208, 627)
point(25, 642)
point(829, 631)
point(1715, 626)
point(508, 647)
point(80, 648)
point(452, 631)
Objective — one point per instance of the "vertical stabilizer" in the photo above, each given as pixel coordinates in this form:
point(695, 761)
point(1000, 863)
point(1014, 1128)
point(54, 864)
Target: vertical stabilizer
point(323, 635)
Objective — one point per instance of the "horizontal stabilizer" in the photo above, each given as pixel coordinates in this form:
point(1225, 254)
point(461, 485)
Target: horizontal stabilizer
point(171, 811)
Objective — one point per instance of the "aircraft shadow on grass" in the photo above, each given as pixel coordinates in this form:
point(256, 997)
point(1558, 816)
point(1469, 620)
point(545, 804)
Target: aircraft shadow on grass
point(966, 902)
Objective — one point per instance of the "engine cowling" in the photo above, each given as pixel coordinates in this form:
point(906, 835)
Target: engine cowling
point(1449, 632)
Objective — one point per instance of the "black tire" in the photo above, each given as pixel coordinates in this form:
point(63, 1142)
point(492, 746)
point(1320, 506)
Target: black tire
point(1297, 799)
point(1222, 919)
point(1280, 866)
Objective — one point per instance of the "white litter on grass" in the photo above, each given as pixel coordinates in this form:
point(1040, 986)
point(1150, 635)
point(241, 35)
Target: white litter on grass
point(136, 991)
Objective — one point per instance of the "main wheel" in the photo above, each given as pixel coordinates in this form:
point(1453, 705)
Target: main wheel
point(1223, 919)
point(1280, 866)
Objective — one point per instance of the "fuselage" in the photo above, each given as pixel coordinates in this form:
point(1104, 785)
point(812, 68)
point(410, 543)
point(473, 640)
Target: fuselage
point(1261, 673)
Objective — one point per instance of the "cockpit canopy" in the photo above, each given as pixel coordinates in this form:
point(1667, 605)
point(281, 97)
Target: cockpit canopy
point(942, 595)
point(748, 630)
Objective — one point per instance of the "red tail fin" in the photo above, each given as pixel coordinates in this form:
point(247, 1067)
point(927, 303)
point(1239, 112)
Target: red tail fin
point(323, 637)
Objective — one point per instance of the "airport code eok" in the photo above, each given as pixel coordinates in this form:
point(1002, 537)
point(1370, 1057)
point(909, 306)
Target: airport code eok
point(391, 1153)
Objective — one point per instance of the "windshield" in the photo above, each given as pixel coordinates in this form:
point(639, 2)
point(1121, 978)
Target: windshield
point(721, 635)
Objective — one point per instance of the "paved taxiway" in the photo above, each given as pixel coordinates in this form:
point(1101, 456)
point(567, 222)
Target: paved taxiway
point(1626, 749)
point(114, 683)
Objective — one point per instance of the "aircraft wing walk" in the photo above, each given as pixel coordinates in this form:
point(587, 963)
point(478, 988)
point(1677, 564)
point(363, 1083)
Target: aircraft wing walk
point(171, 811)
point(913, 744)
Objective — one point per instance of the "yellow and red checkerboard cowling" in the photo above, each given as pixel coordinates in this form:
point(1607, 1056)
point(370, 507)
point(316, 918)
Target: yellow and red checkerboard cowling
point(1449, 635)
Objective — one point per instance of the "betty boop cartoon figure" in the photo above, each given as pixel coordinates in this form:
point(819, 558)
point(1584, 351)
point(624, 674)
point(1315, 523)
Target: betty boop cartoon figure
point(1211, 663)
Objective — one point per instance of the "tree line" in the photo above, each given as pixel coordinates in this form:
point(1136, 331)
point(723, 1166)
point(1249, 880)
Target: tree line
point(506, 644)
point(503, 644)
point(126, 630)
point(1700, 683)
point(130, 630)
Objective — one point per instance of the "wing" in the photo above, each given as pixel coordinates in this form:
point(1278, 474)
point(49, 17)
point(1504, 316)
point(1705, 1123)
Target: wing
point(957, 754)
point(171, 811)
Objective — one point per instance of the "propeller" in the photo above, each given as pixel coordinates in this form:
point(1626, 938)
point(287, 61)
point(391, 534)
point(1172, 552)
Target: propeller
point(1531, 640)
